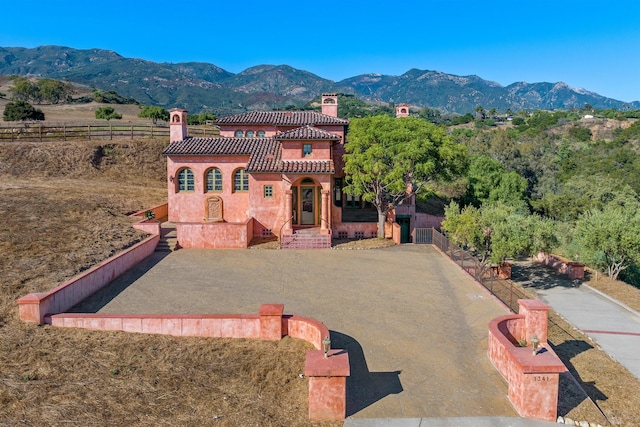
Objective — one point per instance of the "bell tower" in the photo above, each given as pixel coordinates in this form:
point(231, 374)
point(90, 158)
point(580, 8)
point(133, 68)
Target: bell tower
point(330, 104)
point(177, 124)
point(402, 110)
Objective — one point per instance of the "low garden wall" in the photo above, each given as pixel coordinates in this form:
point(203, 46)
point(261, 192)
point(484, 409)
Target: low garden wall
point(268, 324)
point(353, 230)
point(35, 306)
point(533, 379)
point(575, 270)
point(159, 211)
point(151, 225)
point(327, 375)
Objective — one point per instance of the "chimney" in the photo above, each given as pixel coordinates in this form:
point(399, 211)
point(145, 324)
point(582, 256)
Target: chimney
point(330, 104)
point(177, 124)
point(402, 110)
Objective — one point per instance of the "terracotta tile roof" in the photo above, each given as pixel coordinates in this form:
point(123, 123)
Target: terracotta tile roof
point(264, 154)
point(307, 132)
point(215, 146)
point(266, 157)
point(307, 166)
point(282, 118)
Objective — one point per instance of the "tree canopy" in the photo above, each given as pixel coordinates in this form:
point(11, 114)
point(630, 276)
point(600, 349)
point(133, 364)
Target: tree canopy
point(497, 231)
point(201, 118)
point(21, 111)
point(607, 239)
point(47, 90)
point(107, 113)
point(390, 159)
point(582, 176)
point(153, 113)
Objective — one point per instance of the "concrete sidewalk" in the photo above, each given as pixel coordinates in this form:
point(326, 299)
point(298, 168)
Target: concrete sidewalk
point(415, 328)
point(612, 325)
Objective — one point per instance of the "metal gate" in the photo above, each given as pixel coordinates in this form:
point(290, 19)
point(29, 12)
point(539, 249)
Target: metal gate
point(423, 236)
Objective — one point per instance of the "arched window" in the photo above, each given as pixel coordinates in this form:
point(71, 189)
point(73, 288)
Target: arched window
point(185, 180)
point(239, 134)
point(213, 178)
point(260, 134)
point(240, 180)
point(250, 134)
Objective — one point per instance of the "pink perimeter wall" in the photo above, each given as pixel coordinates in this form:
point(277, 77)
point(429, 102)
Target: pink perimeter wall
point(327, 375)
point(260, 326)
point(34, 307)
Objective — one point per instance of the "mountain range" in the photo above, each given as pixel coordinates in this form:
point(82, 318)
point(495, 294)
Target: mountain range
point(198, 86)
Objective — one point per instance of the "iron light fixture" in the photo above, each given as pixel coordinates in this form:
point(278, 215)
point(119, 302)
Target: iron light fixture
point(535, 341)
point(326, 346)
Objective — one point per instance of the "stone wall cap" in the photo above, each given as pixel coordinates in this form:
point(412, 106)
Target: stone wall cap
point(533, 304)
point(271, 309)
point(336, 365)
point(546, 361)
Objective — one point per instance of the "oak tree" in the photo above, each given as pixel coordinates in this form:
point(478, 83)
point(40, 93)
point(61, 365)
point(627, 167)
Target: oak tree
point(388, 160)
point(21, 110)
point(107, 113)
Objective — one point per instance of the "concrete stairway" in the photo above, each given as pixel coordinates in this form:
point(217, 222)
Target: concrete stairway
point(307, 238)
point(168, 238)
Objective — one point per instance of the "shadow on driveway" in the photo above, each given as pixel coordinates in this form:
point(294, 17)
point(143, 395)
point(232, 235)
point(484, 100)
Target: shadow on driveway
point(364, 388)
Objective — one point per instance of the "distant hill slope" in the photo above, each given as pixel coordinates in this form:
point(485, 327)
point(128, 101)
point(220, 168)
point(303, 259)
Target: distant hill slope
point(201, 86)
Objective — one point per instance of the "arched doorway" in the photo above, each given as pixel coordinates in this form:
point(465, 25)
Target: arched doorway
point(307, 203)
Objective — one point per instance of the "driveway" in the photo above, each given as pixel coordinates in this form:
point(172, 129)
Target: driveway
point(414, 324)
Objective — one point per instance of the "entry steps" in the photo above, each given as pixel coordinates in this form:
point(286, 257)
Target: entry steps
point(168, 238)
point(306, 238)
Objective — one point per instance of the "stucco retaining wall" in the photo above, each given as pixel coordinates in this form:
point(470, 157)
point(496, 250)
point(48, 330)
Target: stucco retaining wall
point(327, 375)
point(215, 235)
point(33, 307)
point(195, 325)
point(369, 229)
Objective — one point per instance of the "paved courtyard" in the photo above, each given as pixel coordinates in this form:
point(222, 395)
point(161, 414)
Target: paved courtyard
point(415, 325)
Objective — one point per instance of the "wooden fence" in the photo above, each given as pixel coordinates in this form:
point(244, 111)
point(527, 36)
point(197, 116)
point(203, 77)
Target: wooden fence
point(65, 132)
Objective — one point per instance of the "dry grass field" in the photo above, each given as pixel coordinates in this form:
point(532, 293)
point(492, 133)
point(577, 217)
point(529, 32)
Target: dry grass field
point(64, 208)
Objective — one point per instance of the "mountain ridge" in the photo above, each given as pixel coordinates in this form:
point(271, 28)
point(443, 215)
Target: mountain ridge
point(199, 86)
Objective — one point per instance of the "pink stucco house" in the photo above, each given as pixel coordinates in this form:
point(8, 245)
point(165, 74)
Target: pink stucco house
point(269, 173)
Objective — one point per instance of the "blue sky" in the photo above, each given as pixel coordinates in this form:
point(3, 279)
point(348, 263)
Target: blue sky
point(594, 45)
